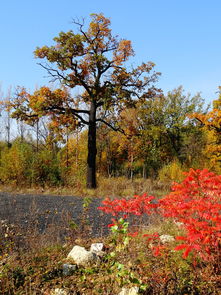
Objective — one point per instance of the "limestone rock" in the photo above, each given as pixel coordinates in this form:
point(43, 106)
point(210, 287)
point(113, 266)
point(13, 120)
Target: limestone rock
point(97, 247)
point(82, 257)
point(166, 239)
point(131, 291)
point(59, 291)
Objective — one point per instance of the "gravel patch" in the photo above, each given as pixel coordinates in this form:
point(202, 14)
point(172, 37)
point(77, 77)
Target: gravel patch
point(43, 210)
point(40, 213)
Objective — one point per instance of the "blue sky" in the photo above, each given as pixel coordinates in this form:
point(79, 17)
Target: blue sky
point(182, 37)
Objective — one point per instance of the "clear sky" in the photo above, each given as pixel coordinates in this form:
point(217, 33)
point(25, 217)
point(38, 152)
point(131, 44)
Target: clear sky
point(182, 37)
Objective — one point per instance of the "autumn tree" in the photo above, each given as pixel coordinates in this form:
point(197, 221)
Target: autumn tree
point(93, 62)
point(167, 127)
point(211, 123)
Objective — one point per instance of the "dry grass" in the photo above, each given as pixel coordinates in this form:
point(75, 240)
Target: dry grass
point(31, 260)
point(34, 265)
point(107, 187)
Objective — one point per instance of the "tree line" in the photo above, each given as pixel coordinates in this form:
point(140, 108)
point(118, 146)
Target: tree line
point(168, 129)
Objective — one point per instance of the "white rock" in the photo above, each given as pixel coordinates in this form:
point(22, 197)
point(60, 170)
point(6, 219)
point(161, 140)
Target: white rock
point(131, 291)
point(59, 291)
point(166, 239)
point(97, 247)
point(82, 257)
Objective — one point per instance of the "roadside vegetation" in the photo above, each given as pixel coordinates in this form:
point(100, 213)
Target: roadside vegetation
point(177, 252)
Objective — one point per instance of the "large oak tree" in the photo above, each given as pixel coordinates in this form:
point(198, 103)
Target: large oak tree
point(91, 64)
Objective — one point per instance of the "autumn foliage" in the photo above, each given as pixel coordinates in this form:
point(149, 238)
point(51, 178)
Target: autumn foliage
point(138, 205)
point(195, 203)
point(211, 123)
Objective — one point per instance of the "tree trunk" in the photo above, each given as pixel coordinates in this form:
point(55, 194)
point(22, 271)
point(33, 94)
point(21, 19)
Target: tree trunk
point(37, 136)
point(67, 148)
point(92, 149)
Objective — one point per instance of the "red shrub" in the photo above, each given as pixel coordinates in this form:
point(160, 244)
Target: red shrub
point(138, 205)
point(196, 202)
